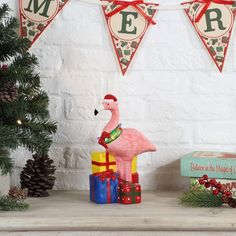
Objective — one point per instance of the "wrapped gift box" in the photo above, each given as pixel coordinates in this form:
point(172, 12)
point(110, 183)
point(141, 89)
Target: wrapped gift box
point(135, 178)
point(104, 187)
point(102, 162)
point(129, 193)
point(134, 165)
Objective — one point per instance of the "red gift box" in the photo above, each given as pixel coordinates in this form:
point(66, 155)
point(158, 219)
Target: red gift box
point(129, 193)
point(135, 178)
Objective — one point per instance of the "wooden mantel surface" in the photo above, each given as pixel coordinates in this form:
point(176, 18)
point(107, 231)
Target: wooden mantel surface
point(159, 211)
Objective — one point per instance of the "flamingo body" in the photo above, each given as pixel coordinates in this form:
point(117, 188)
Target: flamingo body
point(129, 144)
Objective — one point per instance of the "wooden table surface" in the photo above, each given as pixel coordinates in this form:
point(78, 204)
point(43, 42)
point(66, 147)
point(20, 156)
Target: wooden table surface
point(71, 211)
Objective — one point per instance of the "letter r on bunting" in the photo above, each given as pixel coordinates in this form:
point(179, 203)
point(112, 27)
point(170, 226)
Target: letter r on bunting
point(213, 21)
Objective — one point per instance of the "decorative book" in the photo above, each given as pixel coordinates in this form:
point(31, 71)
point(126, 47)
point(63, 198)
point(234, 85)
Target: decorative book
point(221, 165)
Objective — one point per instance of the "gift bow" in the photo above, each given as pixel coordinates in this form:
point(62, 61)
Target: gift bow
point(101, 140)
point(105, 175)
point(207, 4)
point(134, 4)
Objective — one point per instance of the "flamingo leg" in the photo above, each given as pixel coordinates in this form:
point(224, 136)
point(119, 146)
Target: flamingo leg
point(128, 170)
point(120, 167)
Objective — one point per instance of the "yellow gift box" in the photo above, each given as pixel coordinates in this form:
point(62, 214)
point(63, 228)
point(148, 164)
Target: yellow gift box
point(100, 163)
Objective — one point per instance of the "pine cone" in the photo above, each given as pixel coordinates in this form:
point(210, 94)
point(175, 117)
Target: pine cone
point(8, 92)
point(18, 193)
point(37, 176)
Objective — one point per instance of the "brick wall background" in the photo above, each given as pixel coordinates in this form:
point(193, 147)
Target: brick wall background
point(172, 93)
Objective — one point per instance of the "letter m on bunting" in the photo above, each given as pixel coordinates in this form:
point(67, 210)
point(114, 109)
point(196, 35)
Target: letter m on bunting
point(127, 24)
point(213, 21)
point(36, 15)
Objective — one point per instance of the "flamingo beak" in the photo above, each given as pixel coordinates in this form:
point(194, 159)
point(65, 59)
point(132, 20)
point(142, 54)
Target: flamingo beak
point(98, 109)
point(96, 112)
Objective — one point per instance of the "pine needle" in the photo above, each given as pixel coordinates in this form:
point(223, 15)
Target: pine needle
point(203, 198)
point(6, 163)
point(9, 204)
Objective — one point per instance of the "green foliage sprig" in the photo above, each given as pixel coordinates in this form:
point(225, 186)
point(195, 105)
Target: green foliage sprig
point(200, 198)
point(9, 204)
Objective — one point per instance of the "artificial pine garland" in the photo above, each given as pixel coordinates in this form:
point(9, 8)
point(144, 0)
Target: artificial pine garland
point(9, 204)
point(209, 193)
point(200, 198)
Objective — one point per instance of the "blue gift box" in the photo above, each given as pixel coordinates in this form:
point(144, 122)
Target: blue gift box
point(104, 187)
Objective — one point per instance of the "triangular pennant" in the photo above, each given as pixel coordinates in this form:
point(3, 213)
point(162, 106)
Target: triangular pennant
point(36, 15)
point(213, 22)
point(127, 23)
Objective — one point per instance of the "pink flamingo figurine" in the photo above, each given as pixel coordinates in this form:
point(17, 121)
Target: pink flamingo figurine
point(123, 144)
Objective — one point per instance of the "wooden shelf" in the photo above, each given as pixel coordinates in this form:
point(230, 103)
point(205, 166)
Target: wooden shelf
point(71, 212)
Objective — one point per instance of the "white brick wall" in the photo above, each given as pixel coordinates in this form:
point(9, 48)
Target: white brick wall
point(172, 93)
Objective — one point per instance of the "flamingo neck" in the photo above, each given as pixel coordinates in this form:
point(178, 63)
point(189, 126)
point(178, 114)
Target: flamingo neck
point(114, 121)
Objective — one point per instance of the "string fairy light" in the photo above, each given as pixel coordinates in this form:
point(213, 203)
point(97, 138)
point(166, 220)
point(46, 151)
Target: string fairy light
point(19, 122)
point(160, 7)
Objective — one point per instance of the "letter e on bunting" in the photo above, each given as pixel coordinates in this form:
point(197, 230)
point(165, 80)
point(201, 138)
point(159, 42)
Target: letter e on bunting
point(127, 23)
point(213, 21)
point(36, 15)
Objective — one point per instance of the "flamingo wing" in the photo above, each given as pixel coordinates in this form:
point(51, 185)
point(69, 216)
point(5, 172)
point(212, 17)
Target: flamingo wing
point(130, 143)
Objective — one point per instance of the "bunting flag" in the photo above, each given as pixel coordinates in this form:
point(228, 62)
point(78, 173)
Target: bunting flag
point(36, 15)
point(213, 21)
point(127, 23)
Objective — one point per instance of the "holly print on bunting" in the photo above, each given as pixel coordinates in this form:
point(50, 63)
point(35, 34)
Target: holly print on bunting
point(36, 15)
point(213, 21)
point(127, 23)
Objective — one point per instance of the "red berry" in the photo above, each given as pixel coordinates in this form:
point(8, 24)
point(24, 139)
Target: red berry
point(227, 193)
point(207, 185)
point(219, 186)
point(213, 182)
point(201, 181)
point(205, 177)
point(215, 192)
point(4, 67)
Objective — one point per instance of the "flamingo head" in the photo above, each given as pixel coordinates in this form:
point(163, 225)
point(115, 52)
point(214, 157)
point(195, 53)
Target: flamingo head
point(109, 103)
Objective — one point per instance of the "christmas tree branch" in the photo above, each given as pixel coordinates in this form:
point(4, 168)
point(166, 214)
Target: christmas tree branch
point(6, 163)
point(4, 11)
point(8, 137)
point(24, 114)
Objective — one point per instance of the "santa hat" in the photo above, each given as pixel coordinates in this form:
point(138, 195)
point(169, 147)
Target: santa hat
point(110, 98)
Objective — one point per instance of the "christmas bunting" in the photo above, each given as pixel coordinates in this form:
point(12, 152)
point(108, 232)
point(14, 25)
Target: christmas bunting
point(213, 21)
point(129, 20)
point(127, 23)
point(36, 15)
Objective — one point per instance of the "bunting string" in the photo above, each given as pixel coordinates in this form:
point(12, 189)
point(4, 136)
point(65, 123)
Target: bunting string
point(160, 7)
